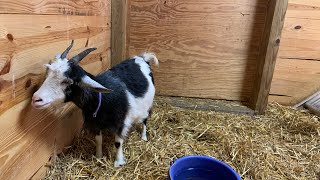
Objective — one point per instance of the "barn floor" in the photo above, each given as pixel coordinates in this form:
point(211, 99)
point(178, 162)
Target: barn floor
point(283, 144)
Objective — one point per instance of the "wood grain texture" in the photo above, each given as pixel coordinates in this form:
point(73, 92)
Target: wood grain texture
point(66, 7)
point(31, 33)
point(294, 80)
point(301, 36)
point(22, 58)
point(268, 53)
point(300, 47)
point(119, 33)
point(28, 137)
point(206, 48)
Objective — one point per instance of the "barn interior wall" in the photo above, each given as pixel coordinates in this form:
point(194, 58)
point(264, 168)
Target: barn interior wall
point(297, 72)
point(31, 33)
point(207, 49)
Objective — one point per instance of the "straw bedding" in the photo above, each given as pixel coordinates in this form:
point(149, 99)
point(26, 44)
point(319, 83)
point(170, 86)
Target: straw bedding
point(283, 144)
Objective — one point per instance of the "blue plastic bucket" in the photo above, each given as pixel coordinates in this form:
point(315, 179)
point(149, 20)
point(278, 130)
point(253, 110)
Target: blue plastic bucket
point(201, 168)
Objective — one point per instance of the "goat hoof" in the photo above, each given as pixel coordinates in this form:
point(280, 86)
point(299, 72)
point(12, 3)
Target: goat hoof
point(144, 138)
point(119, 163)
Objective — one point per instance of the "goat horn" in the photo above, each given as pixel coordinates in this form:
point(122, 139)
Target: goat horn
point(76, 59)
point(65, 53)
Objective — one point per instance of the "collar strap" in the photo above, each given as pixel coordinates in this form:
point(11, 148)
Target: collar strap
point(99, 105)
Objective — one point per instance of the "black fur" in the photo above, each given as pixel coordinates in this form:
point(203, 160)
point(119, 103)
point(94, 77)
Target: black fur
point(145, 121)
point(114, 105)
point(129, 72)
point(117, 144)
point(151, 75)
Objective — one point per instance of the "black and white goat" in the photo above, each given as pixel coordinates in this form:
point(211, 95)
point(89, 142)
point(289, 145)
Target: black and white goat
point(113, 100)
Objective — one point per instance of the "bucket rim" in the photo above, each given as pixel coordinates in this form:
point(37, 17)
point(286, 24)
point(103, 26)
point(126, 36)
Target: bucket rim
point(203, 157)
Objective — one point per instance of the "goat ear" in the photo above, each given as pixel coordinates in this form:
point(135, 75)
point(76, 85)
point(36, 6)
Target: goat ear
point(86, 81)
point(47, 66)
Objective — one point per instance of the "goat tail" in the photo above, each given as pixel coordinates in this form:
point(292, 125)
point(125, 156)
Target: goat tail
point(148, 57)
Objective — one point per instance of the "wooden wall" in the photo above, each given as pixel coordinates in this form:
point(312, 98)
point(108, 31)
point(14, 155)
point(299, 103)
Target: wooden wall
point(31, 33)
point(206, 48)
point(297, 73)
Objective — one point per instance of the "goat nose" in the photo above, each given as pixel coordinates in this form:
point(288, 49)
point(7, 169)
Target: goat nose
point(36, 99)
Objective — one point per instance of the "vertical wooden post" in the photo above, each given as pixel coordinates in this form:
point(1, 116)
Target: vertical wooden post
point(119, 14)
point(268, 54)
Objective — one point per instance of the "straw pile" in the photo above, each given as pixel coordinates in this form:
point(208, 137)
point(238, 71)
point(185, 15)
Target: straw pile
point(283, 144)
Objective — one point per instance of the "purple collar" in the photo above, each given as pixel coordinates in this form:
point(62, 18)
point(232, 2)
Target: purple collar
point(100, 98)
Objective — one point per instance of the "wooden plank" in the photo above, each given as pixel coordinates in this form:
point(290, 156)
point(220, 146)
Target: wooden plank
point(33, 45)
point(301, 39)
point(205, 105)
point(37, 25)
point(67, 7)
point(28, 136)
point(268, 54)
point(298, 57)
point(41, 172)
point(206, 48)
point(294, 80)
point(303, 9)
point(119, 11)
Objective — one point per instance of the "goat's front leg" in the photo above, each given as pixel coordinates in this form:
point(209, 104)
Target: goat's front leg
point(99, 145)
point(120, 161)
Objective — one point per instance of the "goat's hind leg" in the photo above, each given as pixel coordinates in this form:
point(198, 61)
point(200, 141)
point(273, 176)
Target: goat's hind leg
point(119, 139)
point(144, 130)
point(120, 161)
point(144, 127)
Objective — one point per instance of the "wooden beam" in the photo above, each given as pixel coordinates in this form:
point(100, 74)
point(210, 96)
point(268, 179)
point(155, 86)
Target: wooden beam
point(205, 104)
point(56, 7)
point(119, 14)
point(268, 54)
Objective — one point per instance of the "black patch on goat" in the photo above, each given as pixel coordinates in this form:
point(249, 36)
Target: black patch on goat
point(151, 75)
point(130, 73)
point(114, 106)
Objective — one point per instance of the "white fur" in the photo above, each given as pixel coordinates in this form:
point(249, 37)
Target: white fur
point(150, 57)
point(120, 161)
point(144, 133)
point(52, 91)
point(142, 105)
point(139, 107)
point(138, 110)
